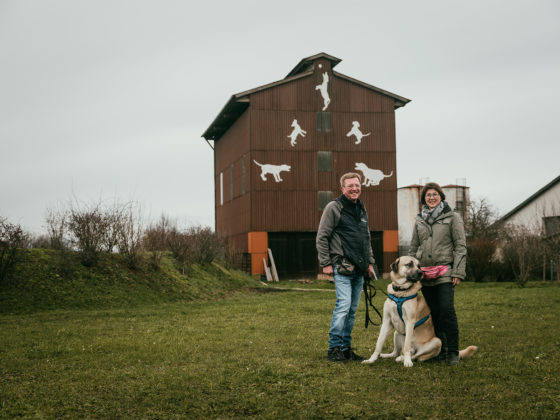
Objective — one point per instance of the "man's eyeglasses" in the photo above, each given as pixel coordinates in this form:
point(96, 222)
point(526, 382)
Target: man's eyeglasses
point(352, 186)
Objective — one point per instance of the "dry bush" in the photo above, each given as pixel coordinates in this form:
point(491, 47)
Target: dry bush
point(523, 250)
point(128, 228)
point(57, 228)
point(482, 238)
point(207, 246)
point(155, 240)
point(196, 244)
point(12, 239)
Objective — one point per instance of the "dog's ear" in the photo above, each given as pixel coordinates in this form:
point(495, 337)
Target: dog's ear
point(395, 265)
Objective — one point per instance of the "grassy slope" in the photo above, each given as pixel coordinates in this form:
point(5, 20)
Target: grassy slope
point(45, 280)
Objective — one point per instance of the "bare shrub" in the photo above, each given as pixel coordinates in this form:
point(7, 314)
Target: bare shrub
point(57, 228)
point(482, 238)
point(88, 225)
point(12, 239)
point(128, 228)
point(196, 244)
point(207, 246)
point(38, 241)
point(523, 250)
point(155, 240)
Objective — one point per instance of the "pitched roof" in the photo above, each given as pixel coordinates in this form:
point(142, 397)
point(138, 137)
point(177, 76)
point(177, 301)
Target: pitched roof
point(531, 198)
point(239, 102)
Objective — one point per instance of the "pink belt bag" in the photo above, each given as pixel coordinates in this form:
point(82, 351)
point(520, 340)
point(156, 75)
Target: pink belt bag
point(434, 272)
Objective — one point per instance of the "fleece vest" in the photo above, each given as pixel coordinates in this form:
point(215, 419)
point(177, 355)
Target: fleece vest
point(353, 231)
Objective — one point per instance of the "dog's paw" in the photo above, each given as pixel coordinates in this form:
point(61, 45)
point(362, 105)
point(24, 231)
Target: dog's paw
point(407, 362)
point(399, 359)
point(371, 360)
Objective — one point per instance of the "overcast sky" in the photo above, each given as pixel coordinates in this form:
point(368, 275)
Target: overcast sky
point(109, 99)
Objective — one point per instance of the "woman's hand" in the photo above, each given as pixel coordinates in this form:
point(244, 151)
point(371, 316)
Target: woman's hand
point(456, 281)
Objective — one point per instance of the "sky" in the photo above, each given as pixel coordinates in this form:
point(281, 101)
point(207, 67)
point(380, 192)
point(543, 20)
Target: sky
point(104, 101)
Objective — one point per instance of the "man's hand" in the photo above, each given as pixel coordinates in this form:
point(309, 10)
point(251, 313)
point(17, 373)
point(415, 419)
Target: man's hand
point(456, 281)
point(328, 269)
point(370, 271)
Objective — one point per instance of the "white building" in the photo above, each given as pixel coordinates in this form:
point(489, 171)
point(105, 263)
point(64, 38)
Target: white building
point(540, 212)
point(409, 205)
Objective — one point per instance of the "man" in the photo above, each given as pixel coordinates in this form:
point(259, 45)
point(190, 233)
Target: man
point(343, 241)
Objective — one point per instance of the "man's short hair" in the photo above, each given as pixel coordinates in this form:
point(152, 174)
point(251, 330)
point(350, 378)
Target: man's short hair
point(349, 175)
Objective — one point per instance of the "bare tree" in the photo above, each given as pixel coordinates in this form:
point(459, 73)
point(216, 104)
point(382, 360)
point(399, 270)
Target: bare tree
point(57, 228)
point(88, 225)
point(523, 249)
point(482, 237)
point(129, 233)
point(12, 239)
point(155, 240)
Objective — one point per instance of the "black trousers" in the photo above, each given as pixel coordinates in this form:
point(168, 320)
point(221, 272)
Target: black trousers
point(440, 299)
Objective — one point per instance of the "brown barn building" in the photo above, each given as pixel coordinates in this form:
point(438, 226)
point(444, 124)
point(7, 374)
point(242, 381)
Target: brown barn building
point(279, 151)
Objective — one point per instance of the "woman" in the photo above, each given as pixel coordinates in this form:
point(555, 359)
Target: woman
point(438, 242)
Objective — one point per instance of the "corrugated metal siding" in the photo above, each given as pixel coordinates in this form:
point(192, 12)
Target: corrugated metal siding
point(292, 211)
point(233, 144)
point(234, 216)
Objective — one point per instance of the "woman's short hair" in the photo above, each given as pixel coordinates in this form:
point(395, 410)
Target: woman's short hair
point(431, 186)
point(349, 175)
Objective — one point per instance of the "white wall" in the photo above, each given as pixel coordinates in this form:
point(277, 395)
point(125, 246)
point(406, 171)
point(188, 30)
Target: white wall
point(546, 205)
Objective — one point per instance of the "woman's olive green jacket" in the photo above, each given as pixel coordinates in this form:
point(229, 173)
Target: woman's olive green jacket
point(442, 243)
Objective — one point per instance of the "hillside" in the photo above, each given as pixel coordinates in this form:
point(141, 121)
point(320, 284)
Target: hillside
point(46, 279)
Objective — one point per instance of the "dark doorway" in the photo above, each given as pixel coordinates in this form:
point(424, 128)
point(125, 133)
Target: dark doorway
point(377, 248)
point(294, 253)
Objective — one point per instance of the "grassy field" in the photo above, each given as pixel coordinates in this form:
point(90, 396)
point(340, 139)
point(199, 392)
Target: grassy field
point(261, 354)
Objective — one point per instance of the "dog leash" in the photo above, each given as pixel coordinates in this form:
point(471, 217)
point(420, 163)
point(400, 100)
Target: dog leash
point(369, 293)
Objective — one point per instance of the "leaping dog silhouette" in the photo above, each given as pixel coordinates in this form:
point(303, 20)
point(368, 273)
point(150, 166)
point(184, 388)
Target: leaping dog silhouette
point(297, 131)
point(324, 91)
point(355, 131)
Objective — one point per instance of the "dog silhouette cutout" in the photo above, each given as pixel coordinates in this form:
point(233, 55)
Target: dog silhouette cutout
point(371, 176)
point(323, 89)
point(297, 131)
point(275, 170)
point(356, 132)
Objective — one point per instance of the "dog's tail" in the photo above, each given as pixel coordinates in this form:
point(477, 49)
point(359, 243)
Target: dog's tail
point(468, 352)
point(387, 176)
point(258, 162)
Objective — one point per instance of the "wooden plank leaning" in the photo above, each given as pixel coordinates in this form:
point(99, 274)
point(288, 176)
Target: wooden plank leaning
point(273, 265)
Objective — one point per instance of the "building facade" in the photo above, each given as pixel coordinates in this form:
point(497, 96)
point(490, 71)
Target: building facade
point(279, 151)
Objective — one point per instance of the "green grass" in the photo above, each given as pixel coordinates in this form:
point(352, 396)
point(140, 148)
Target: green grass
point(262, 355)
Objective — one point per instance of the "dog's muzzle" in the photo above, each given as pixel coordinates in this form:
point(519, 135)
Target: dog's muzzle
point(416, 277)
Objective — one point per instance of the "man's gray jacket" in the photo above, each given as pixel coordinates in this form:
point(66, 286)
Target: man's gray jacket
point(329, 242)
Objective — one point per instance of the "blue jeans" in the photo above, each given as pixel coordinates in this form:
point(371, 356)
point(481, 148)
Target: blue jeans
point(348, 292)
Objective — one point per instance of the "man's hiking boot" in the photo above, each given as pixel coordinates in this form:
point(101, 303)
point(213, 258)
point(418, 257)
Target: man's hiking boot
point(350, 355)
point(336, 355)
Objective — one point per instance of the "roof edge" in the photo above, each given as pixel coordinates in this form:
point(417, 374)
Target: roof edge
point(531, 198)
point(399, 100)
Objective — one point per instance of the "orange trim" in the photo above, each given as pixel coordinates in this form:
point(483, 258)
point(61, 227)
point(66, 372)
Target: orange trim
point(391, 241)
point(257, 266)
point(258, 242)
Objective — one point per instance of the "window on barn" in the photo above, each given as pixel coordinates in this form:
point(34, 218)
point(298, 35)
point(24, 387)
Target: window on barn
point(243, 175)
point(324, 161)
point(231, 182)
point(324, 121)
point(551, 226)
point(221, 188)
point(325, 197)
